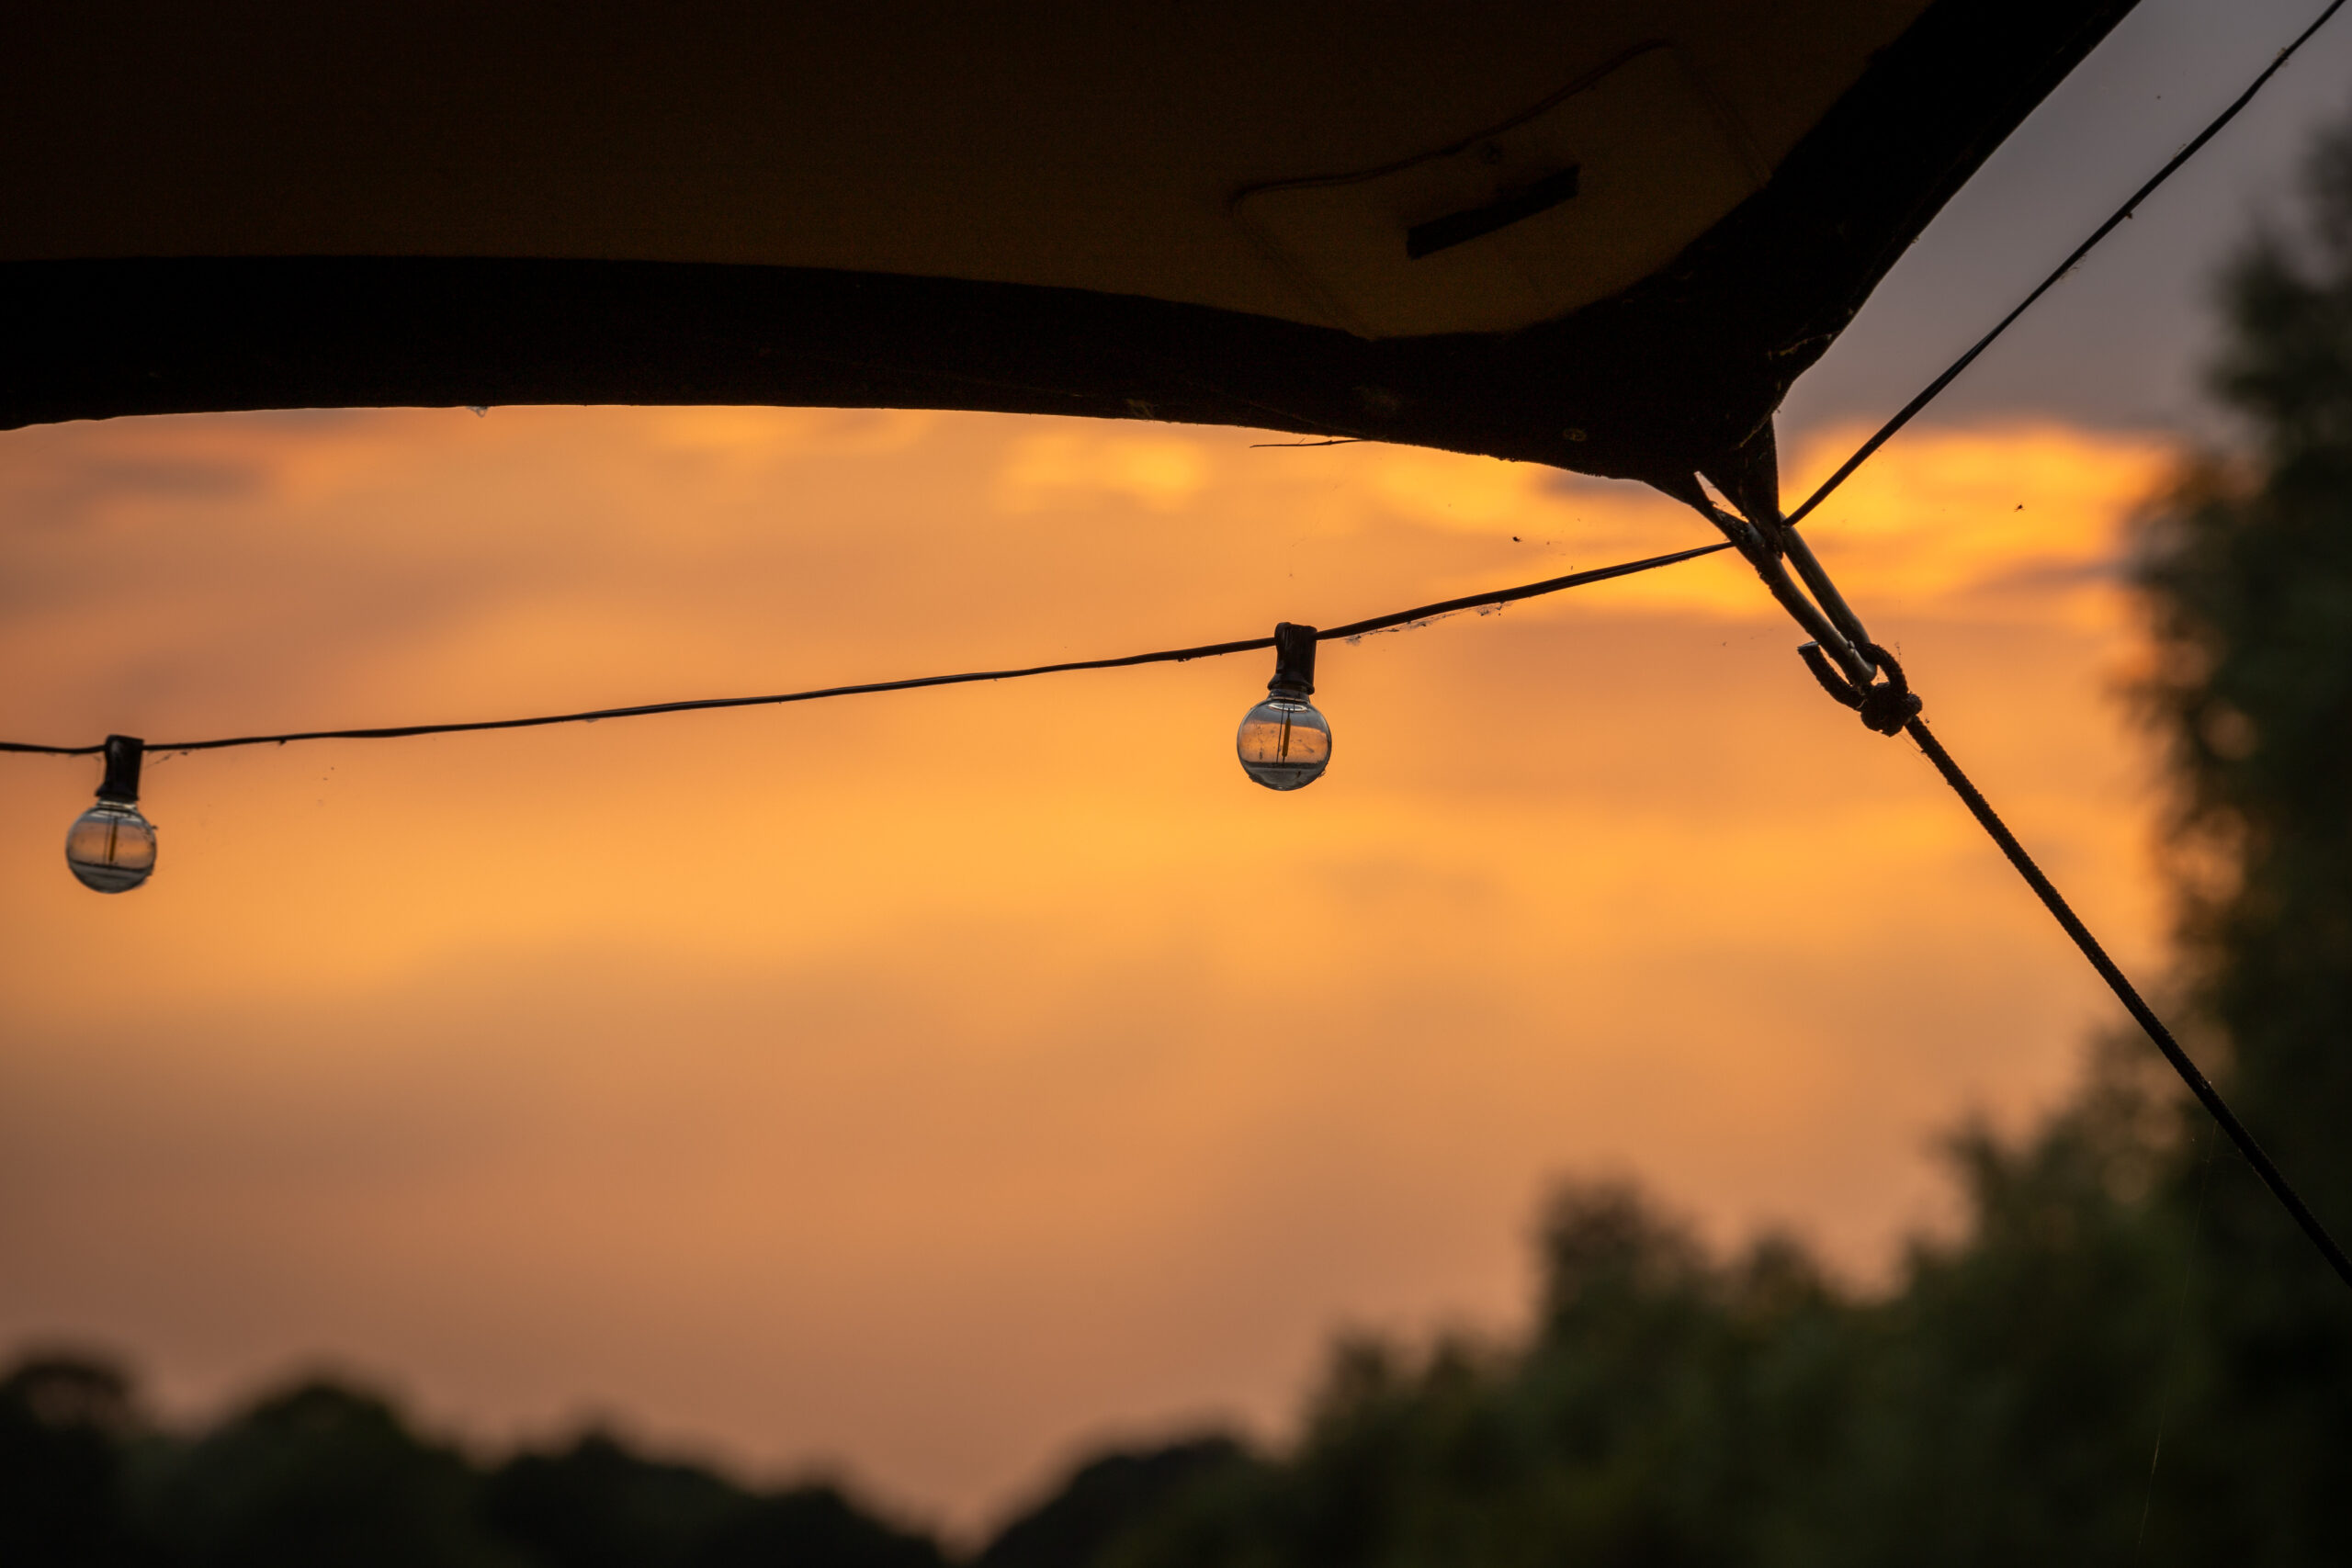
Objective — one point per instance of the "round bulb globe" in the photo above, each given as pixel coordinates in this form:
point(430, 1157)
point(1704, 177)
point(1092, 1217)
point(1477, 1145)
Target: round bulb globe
point(1283, 743)
point(110, 847)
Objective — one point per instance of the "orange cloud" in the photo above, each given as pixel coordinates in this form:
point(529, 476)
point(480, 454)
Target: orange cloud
point(932, 1079)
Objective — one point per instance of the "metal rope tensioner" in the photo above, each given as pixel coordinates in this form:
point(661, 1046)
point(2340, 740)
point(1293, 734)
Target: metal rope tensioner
point(1885, 706)
point(1841, 655)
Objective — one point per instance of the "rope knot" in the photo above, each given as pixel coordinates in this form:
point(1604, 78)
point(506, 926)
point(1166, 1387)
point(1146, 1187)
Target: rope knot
point(1885, 706)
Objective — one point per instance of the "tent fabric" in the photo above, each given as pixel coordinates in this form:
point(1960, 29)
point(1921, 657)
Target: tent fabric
point(1603, 236)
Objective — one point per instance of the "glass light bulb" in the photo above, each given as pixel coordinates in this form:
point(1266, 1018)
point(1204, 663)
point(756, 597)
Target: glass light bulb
point(1284, 743)
point(110, 847)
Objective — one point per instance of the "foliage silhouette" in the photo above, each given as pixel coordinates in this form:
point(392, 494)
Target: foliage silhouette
point(319, 1474)
point(323, 1475)
point(596, 1504)
point(63, 1424)
point(1104, 1499)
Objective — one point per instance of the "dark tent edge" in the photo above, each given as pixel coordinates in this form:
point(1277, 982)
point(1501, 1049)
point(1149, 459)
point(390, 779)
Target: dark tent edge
point(1650, 384)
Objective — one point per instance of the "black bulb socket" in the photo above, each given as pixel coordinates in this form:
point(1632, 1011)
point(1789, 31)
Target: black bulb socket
point(124, 753)
point(1294, 663)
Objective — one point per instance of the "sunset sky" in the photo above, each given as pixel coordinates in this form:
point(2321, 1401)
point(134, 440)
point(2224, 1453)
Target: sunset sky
point(928, 1086)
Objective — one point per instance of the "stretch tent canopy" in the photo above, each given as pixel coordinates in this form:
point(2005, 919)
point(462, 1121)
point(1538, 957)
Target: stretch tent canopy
point(1601, 234)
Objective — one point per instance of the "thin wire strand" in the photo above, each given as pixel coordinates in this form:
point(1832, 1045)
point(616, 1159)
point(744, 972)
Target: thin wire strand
point(2115, 219)
point(1164, 656)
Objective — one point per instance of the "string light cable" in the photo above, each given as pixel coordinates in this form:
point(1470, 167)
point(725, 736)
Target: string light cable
point(1166, 656)
point(1283, 743)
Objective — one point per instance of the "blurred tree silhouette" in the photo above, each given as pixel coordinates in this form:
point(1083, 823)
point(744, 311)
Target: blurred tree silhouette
point(595, 1504)
point(318, 1473)
point(327, 1477)
point(64, 1424)
point(1104, 1499)
point(816, 1526)
point(2249, 572)
point(2121, 1275)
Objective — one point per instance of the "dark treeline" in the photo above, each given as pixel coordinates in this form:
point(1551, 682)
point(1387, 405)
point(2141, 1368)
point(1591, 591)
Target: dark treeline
point(329, 1475)
point(2125, 1355)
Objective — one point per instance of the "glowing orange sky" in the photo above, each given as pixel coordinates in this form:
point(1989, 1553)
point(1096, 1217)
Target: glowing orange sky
point(937, 1081)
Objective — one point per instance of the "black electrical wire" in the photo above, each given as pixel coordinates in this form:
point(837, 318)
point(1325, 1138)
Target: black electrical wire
point(1165, 656)
point(2115, 219)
